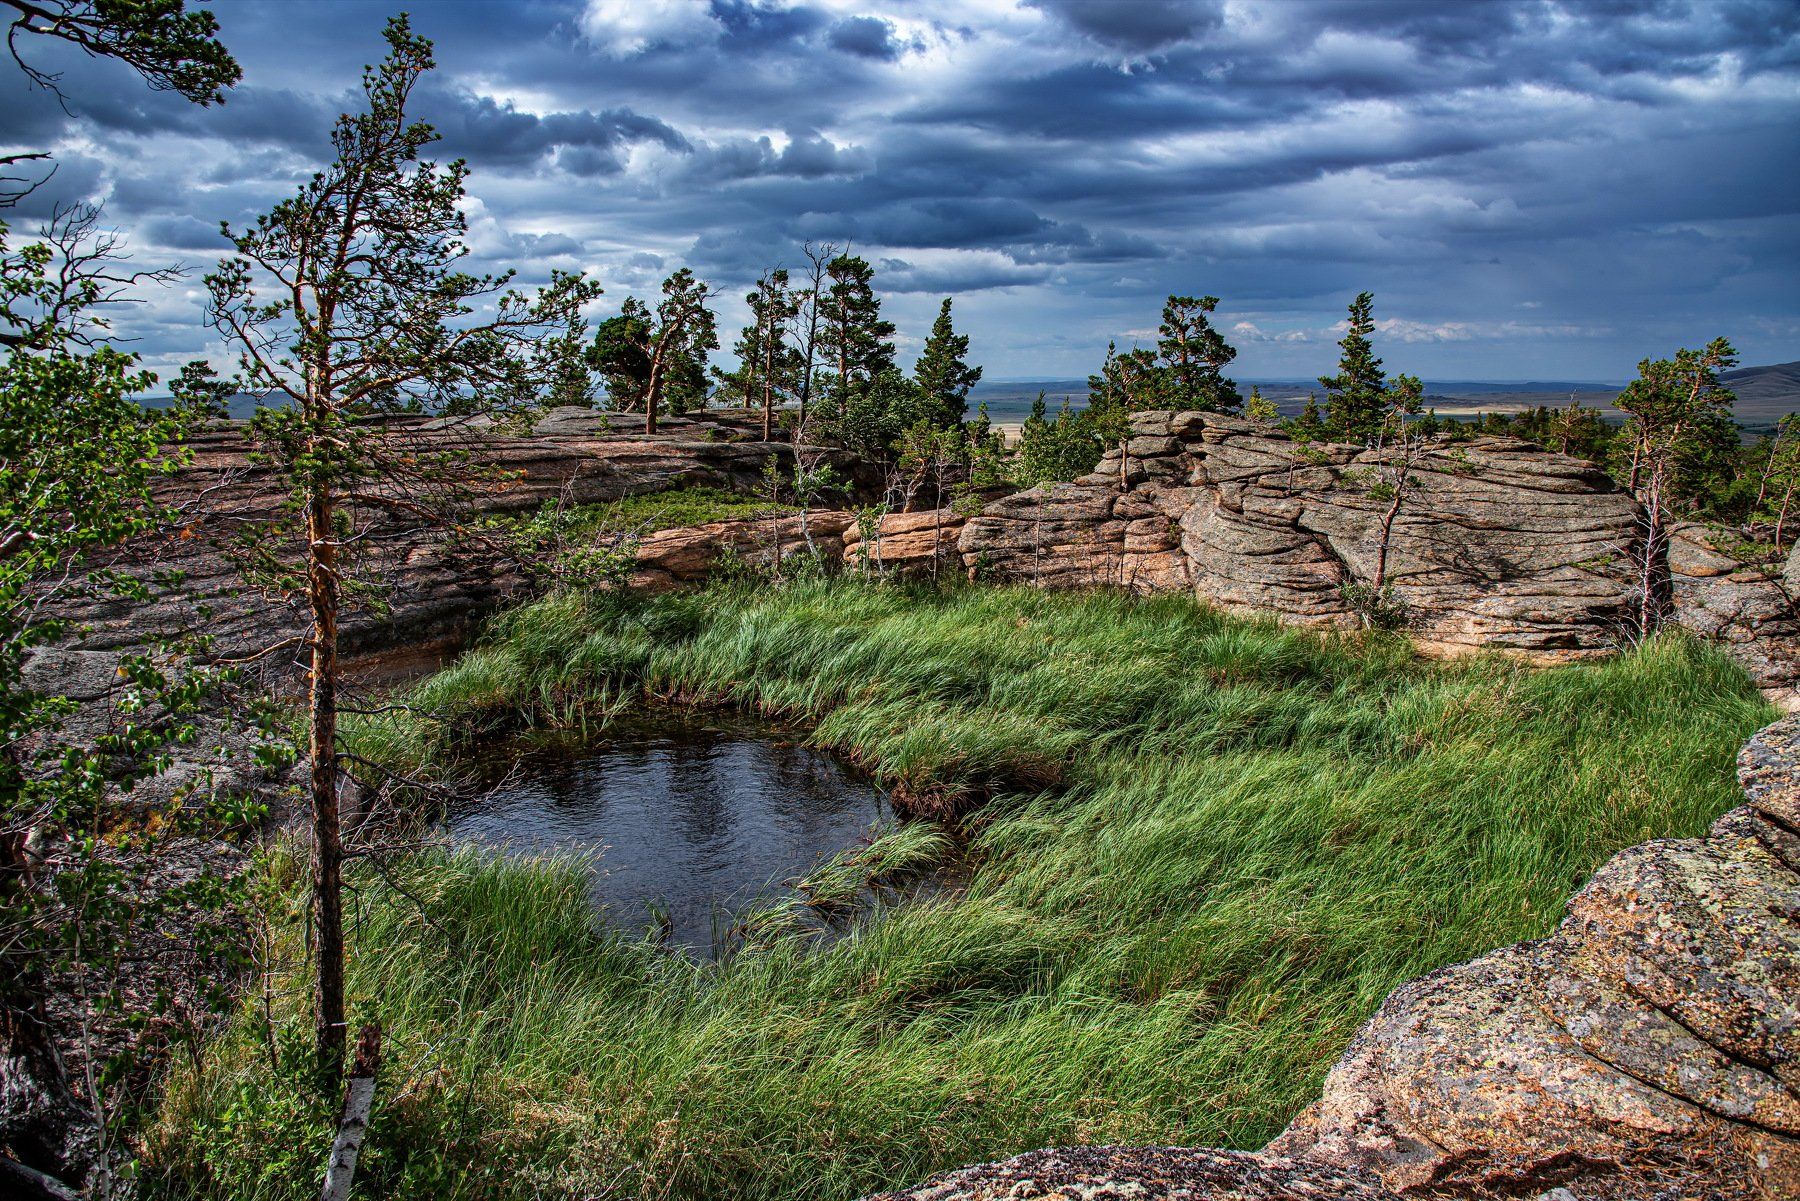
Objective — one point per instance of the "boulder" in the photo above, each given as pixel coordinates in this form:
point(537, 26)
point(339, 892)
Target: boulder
point(1650, 1048)
point(1751, 605)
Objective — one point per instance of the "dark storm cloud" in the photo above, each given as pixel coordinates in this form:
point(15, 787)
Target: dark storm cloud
point(869, 37)
point(485, 130)
point(1544, 182)
point(1142, 27)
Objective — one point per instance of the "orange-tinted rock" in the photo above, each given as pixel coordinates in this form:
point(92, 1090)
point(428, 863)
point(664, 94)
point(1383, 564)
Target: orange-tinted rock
point(1500, 544)
point(907, 544)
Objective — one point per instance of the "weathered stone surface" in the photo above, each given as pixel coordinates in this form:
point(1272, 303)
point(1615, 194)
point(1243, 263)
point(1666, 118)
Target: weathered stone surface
point(1499, 544)
point(1075, 536)
point(1650, 1048)
point(688, 555)
point(1145, 1174)
point(1753, 608)
point(433, 591)
point(908, 544)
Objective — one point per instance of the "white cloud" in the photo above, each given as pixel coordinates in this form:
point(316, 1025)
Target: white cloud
point(626, 27)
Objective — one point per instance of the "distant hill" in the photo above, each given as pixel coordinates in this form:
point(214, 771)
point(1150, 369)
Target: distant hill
point(1765, 394)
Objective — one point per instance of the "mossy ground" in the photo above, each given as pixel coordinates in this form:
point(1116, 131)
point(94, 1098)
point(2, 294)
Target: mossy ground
point(1208, 849)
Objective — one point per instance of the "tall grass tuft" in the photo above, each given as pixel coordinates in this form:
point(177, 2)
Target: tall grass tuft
point(1208, 848)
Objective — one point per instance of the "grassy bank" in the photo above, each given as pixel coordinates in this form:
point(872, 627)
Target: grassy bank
point(1214, 846)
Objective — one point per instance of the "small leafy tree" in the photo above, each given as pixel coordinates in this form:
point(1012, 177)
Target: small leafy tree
point(347, 302)
point(1679, 411)
point(1400, 444)
point(1260, 408)
point(943, 374)
point(80, 457)
point(1057, 448)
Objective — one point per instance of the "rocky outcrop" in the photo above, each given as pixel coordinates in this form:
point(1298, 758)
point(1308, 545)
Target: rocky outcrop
point(1650, 1048)
point(692, 554)
point(1751, 604)
point(918, 545)
point(1495, 544)
point(432, 590)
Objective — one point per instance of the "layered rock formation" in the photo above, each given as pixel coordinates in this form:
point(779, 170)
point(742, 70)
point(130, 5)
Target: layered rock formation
point(692, 554)
point(1496, 543)
point(1649, 1049)
point(907, 544)
point(431, 591)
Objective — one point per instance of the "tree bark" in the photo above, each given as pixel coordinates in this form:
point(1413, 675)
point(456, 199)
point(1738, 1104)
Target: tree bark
point(328, 849)
point(353, 1118)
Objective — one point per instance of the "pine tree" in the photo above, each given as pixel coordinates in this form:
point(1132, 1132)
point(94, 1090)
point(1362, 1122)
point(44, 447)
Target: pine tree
point(1191, 356)
point(767, 368)
point(1355, 398)
point(943, 374)
point(347, 302)
point(657, 359)
point(1680, 418)
point(854, 340)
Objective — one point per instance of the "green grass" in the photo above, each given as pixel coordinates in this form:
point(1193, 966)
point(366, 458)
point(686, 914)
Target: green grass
point(1212, 847)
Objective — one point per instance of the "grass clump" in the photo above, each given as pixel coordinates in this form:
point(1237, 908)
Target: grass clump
point(1209, 848)
point(649, 512)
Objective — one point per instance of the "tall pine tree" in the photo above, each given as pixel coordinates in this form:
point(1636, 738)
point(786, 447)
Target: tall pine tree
point(1192, 356)
point(855, 342)
point(767, 360)
point(1356, 397)
point(943, 374)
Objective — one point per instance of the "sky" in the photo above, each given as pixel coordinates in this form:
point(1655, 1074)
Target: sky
point(1534, 190)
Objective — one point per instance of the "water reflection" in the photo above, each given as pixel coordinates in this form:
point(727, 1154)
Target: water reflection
point(687, 821)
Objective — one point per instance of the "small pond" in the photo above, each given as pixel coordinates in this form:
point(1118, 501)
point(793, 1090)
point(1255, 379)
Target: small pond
point(687, 820)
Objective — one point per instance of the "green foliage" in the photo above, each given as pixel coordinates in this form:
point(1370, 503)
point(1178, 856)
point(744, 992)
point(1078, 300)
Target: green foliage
point(1058, 448)
point(1776, 463)
point(1260, 408)
point(1213, 847)
point(1191, 356)
point(1185, 371)
point(1356, 397)
point(770, 366)
point(79, 458)
point(173, 49)
point(658, 356)
point(620, 354)
point(855, 342)
point(943, 375)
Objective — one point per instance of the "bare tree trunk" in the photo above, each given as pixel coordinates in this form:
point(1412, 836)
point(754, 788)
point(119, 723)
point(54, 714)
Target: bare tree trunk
point(653, 390)
point(328, 848)
point(353, 1118)
point(768, 385)
point(1653, 537)
point(1387, 533)
point(1781, 516)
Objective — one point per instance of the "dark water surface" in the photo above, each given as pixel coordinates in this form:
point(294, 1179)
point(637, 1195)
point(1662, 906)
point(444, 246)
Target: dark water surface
point(691, 820)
